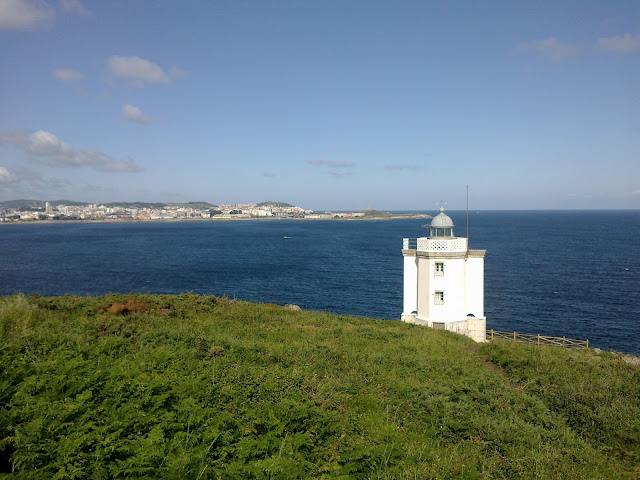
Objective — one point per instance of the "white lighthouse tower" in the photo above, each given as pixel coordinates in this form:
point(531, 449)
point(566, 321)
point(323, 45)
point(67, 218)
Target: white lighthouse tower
point(444, 281)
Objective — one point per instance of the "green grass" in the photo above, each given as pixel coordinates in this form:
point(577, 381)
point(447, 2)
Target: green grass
point(202, 387)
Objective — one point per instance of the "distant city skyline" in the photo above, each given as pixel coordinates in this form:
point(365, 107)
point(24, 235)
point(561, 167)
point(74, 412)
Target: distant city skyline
point(329, 105)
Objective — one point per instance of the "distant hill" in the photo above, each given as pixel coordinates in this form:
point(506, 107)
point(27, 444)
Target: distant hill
point(25, 203)
point(275, 204)
point(67, 203)
point(376, 213)
point(194, 205)
point(134, 205)
point(21, 203)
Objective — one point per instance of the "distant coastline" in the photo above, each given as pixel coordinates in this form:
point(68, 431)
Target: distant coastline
point(389, 216)
point(64, 211)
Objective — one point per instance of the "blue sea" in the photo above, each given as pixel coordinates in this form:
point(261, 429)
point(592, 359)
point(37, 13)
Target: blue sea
point(571, 273)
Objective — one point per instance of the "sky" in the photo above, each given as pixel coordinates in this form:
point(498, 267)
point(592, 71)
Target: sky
point(328, 105)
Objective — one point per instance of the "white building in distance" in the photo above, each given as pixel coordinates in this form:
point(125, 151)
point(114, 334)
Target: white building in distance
point(444, 281)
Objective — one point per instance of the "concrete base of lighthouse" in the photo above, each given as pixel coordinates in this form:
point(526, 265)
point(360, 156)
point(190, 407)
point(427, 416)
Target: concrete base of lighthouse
point(472, 327)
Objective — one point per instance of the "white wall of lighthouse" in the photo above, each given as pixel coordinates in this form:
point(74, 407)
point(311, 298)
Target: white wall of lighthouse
point(474, 286)
point(410, 297)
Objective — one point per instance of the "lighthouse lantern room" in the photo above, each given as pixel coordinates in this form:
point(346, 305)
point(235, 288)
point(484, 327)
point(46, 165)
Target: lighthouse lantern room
point(444, 281)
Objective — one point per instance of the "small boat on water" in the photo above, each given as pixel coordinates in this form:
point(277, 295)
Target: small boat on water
point(286, 237)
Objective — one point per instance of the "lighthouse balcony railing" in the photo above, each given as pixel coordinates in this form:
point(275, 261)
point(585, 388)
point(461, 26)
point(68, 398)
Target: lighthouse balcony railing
point(426, 244)
point(409, 243)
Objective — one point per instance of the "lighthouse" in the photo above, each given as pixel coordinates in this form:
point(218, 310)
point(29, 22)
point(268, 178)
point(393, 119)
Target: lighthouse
point(444, 281)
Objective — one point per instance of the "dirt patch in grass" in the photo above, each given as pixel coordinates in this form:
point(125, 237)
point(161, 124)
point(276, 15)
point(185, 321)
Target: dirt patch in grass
point(132, 306)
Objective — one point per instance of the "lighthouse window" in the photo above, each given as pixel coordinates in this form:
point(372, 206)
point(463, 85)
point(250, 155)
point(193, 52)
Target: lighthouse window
point(439, 298)
point(439, 269)
point(441, 232)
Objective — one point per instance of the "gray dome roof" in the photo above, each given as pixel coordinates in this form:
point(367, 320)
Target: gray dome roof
point(442, 220)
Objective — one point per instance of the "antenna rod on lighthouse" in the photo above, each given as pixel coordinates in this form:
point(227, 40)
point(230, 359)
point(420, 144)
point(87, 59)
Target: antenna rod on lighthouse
point(467, 216)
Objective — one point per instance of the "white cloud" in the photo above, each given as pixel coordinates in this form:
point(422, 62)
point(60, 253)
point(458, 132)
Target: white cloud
point(176, 72)
point(25, 183)
point(331, 163)
point(6, 176)
point(12, 137)
point(67, 75)
point(336, 174)
point(33, 14)
point(136, 69)
point(25, 14)
point(550, 48)
point(49, 150)
point(74, 6)
point(620, 44)
point(129, 112)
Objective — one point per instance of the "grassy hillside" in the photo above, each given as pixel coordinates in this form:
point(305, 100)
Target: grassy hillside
point(201, 387)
